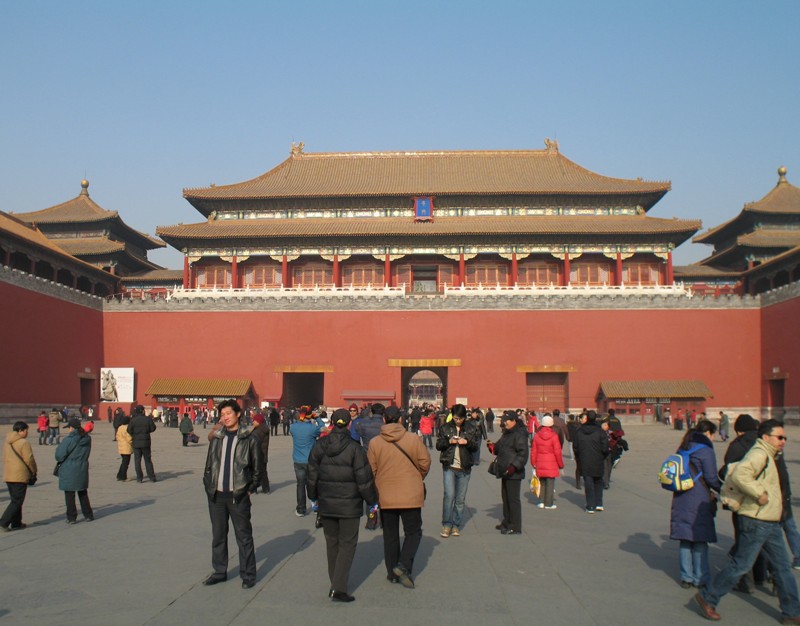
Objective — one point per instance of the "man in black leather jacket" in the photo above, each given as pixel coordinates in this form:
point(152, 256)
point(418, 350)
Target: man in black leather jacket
point(233, 470)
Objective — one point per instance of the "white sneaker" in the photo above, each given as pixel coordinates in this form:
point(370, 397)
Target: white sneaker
point(599, 508)
point(540, 505)
point(551, 507)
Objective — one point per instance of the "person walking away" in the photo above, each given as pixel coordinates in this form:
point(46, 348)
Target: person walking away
point(547, 461)
point(489, 418)
point(340, 479)
point(305, 431)
point(400, 463)
point(368, 428)
point(54, 424)
point(262, 433)
point(591, 449)
point(19, 471)
point(756, 476)
point(477, 418)
point(274, 421)
point(186, 428)
point(724, 425)
point(232, 471)
point(457, 442)
point(693, 511)
point(73, 476)
point(124, 447)
point(41, 427)
point(511, 451)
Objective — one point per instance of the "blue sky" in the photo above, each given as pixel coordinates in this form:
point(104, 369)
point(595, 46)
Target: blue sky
point(145, 98)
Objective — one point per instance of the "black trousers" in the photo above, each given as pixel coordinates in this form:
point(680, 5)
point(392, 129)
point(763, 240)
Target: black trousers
point(72, 511)
point(512, 505)
point(273, 429)
point(222, 508)
point(138, 453)
point(593, 487)
point(393, 553)
point(341, 539)
point(122, 472)
point(13, 514)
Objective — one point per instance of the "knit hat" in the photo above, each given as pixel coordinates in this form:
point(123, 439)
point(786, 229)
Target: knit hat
point(341, 418)
point(745, 423)
point(258, 419)
point(392, 411)
point(547, 420)
point(353, 406)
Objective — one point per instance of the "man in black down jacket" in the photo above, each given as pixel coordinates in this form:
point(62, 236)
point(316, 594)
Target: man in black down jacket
point(139, 429)
point(340, 479)
point(591, 449)
point(512, 457)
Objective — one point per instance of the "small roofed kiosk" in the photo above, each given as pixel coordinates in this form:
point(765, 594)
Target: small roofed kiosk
point(650, 398)
point(425, 222)
point(184, 394)
point(95, 235)
point(762, 231)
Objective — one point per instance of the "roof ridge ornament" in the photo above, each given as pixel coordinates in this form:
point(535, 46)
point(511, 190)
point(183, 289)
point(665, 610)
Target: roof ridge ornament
point(551, 145)
point(84, 187)
point(297, 149)
point(782, 175)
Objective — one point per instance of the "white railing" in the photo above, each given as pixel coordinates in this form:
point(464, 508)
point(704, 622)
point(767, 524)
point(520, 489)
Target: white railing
point(573, 289)
point(291, 292)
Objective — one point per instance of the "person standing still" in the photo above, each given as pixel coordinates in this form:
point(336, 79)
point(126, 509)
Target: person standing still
point(232, 471)
point(139, 429)
point(19, 471)
point(73, 477)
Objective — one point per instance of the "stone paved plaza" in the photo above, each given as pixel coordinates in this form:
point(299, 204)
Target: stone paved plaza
point(143, 559)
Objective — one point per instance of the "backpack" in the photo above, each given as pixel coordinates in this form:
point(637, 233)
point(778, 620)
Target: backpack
point(676, 474)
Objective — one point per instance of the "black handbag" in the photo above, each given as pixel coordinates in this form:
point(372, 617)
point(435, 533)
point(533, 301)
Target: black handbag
point(492, 469)
point(57, 467)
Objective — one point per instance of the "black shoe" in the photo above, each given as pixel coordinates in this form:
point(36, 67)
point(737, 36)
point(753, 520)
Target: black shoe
point(215, 578)
point(402, 574)
point(90, 518)
point(686, 584)
point(72, 521)
point(138, 480)
point(500, 527)
point(20, 527)
point(330, 593)
point(248, 584)
point(510, 531)
point(154, 479)
point(342, 596)
point(391, 578)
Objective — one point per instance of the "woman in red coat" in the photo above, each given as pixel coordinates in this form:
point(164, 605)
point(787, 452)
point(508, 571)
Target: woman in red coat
point(426, 428)
point(546, 460)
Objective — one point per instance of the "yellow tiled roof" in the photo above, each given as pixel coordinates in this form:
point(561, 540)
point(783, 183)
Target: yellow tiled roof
point(211, 387)
point(426, 173)
point(442, 226)
point(655, 389)
point(90, 245)
point(80, 209)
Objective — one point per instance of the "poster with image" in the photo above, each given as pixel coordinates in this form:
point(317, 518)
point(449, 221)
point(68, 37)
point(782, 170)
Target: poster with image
point(116, 384)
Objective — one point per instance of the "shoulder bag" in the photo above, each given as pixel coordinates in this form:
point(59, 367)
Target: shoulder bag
point(32, 477)
point(424, 486)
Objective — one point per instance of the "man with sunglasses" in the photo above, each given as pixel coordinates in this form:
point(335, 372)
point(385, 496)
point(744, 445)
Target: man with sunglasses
point(760, 517)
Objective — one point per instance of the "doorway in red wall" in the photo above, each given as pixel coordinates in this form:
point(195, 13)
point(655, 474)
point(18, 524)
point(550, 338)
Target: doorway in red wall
point(415, 380)
point(307, 388)
point(545, 391)
point(88, 391)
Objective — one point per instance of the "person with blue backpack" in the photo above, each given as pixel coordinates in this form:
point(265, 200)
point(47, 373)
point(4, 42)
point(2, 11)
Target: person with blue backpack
point(694, 509)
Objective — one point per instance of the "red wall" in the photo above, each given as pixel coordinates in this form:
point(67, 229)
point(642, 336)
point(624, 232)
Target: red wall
point(780, 340)
point(720, 347)
point(46, 343)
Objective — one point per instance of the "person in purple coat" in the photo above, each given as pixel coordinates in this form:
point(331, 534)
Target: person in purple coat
point(693, 511)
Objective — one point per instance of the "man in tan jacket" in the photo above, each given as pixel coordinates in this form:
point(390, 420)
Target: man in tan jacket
point(760, 528)
point(19, 468)
point(400, 462)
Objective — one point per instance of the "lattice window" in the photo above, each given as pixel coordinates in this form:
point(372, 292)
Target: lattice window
point(363, 274)
point(263, 275)
point(590, 274)
point(486, 274)
point(214, 277)
point(312, 275)
point(540, 274)
point(641, 274)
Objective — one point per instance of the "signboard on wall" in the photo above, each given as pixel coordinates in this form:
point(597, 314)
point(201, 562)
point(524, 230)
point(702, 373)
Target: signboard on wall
point(116, 384)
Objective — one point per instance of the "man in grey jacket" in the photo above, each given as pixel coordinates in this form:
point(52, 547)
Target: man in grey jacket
point(232, 472)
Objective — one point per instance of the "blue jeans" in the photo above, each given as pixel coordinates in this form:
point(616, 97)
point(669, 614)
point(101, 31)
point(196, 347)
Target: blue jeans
point(694, 563)
point(793, 538)
point(455, 496)
point(754, 536)
point(301, 474)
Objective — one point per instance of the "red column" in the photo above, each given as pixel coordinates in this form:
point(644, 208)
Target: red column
point(337, 279)
point(566, 269)
point(670, 275)
point(618, 276)
point(387, 271)
point(185, 272)
point(284, 272)
point(234, 273)
point(514, 269)
point(461, 269)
